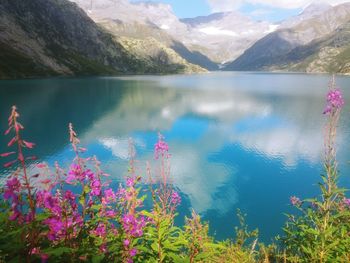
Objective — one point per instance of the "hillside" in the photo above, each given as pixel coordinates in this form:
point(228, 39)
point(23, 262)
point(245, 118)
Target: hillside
point(150, 42)
point(55, 37)
point(283, 48)
point(331, 54)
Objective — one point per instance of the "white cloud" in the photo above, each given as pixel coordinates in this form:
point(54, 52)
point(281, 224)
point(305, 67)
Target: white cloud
point(224, 5)
point(229, 5)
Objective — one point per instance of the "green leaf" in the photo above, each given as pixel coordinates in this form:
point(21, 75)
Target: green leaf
point(97, 258)
point(58, 251)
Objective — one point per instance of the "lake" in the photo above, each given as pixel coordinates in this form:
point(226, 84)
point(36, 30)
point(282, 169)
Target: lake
point(237, 140)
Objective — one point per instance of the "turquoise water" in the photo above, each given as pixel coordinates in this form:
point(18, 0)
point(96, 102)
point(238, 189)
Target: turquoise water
point(238, 140)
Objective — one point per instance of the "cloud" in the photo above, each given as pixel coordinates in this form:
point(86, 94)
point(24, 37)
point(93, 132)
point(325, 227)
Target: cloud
point(230, 5)
point(224, 5)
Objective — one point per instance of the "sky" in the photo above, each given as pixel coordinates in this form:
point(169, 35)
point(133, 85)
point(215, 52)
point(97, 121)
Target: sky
point(270, 10)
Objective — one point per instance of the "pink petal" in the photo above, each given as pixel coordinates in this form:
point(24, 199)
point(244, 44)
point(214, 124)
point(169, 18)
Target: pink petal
point(13, 140)
point(7, 154)
point(41, 165)
point(18, 126)
point(46, 181)
point(8, 130)
point(6, 165)
point(29, 145)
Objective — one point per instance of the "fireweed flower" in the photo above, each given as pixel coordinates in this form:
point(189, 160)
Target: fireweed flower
point(95, 187)
point(126, 242)
point(132, 225)
point(130, 182)
point(100, 231)
point(133, 252)
point(161, 147)
point(13, 187)
point(77, 173)
point(175, 198)
point(64, 216)
point(334, 101)
point(346, 202)
point(12, 191)
point(295, 201)
point(109, 195)
point(110, 213)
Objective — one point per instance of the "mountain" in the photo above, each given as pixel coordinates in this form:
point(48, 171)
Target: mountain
point(331, 54)
point(312, 10)
point(206, 41)
point(224, 36)
point(108, 37)
point(275, 50)
point(160, 39)
point(143, 20)
point(56, 37)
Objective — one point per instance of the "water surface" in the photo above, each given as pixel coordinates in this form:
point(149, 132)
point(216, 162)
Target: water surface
point(238, 140)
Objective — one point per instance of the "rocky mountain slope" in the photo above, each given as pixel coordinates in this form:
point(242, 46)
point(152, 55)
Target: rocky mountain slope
point(206, 41)
point(56, 37)
point(144, 20)
point(330, 54)
point(141, 34)
point(279, 50)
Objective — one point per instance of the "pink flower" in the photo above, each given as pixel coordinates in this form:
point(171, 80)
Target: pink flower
point(109, 195)
point(34, 251)
point(13, 186)
point(95, 187)
point(76, 172)
point(100, 230)
point(161, 147)
point(133, 226)
point(346, 202)
point(15, 214)
point(133, 252)
point(295, 201)
point(130, 182)
point(334, 101)
point(175, 198)
point(126, 242)
point(110, 213)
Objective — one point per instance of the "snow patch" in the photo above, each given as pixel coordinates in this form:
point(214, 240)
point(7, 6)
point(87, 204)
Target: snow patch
point(272, 28)
point(165, 27)
point(217, 31)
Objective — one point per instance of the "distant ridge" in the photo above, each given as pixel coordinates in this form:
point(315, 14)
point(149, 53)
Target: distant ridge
point(303, 46)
